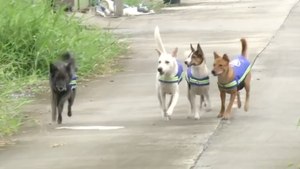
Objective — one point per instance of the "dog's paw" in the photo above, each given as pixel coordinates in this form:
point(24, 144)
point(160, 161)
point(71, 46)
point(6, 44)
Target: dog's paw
point(69, 113)
point(59, 120)
point(226, 116)
point(169, 113)
point(220, 115)
point(246, 108)
point(167, 118)
point(239, 105)
point(197, 116)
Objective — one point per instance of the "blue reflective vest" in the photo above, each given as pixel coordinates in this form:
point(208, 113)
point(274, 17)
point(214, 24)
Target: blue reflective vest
point(175, 79)
point(241, 67)
point(196, 81)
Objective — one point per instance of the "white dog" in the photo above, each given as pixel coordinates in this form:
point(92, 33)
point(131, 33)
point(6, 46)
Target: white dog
point(168, 77)
point(197, 77)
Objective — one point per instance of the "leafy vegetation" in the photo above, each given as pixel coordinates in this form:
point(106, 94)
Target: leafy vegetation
point(33, 35)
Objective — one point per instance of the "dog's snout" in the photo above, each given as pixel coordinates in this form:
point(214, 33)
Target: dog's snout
point(60, 88)
point(160, 70)
point(186, 62)
point(213, 72)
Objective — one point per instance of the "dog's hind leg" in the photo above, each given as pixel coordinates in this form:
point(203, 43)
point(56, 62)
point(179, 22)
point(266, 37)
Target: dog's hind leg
point(71, 101)
point(202, 101)
point(207, 100)
point(191, 104)
point(239, 100)
point(194, 110)
point(247, 88)
point(54, 107)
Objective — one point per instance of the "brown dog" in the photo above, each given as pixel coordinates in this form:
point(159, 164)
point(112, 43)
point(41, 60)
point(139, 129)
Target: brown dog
point(232, 77)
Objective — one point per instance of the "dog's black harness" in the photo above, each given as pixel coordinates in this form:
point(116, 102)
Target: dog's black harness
point(73, 83)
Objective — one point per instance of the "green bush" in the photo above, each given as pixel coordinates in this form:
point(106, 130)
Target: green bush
point(31, 36)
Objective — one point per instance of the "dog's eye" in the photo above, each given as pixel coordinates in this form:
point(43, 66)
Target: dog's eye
point(167, 62)
point(159, 61)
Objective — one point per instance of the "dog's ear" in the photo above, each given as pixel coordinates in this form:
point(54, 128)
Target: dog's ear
point(52, 69)
point(226, 58)
point(200, 52)
point(159, 53)
point(192, 49)
point(174, 53)
point(216, 55)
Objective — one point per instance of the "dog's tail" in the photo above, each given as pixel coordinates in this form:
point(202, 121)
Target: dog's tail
point(158, 40)
point(69, 58)
point(244, 47)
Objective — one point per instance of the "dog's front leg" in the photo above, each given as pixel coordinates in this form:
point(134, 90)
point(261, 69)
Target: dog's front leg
point(71, 101)
point(192, 104)
point(162, 102)
point(223, 97)
point(60, 107)
point(229, 107)
point(54, 106)
point(172, 105)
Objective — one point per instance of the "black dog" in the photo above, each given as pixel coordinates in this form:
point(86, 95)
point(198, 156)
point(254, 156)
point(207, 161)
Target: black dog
point(63, 85)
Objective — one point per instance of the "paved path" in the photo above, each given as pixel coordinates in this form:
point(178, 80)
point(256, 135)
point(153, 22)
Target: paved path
point(128, 98)
point(268, 137)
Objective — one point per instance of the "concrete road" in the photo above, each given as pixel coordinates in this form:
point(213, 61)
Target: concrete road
point(127, 99)
point(268, 136)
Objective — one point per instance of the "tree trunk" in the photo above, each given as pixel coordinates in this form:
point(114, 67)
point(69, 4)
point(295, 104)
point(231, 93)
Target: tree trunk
point(119, 8)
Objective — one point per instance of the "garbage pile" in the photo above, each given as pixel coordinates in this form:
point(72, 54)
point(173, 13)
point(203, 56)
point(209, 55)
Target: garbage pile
point(107, 7)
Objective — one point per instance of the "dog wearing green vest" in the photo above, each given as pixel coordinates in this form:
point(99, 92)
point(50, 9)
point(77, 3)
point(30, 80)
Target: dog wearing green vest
point(197, 77)
point(63, 85)
point(233, 75)
point(169, 75)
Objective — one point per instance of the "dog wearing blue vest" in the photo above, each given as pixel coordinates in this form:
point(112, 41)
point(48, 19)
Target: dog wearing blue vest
point(233, 76)
point(197, 77)
point(169, 75)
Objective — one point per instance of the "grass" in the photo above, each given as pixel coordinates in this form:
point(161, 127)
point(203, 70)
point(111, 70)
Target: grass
point(33, 35)
point(10, 118)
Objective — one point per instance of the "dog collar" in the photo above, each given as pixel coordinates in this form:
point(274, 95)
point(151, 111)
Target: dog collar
point(241, 67)
point(175, 79)
point(73, 83)
point(196, 81)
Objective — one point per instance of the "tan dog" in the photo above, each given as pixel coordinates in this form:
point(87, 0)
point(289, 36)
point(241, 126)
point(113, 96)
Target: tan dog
point(232, 77)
